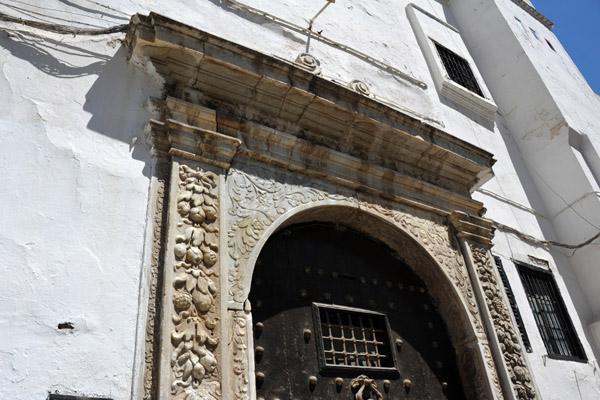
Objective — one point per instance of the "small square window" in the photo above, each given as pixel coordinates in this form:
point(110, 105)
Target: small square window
point(353, 340)
point(520, 24)
point(551, 316)
point(458, 69)
point(534, 34)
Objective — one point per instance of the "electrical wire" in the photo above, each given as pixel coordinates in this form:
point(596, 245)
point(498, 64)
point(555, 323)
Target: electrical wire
point(533, 240)
point(63, 29)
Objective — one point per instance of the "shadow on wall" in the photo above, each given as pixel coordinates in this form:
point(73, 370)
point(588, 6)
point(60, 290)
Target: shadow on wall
point(33, 49)
point(116, 97)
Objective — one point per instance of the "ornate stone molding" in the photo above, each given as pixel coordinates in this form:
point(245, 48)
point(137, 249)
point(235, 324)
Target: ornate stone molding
point(193, 361)
point(152, 327)
point(436, 238)
point(238, 346)
point(508, 339)
point(256, 203)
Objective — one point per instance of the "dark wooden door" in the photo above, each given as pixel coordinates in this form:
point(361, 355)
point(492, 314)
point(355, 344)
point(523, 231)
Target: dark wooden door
point(382, 324)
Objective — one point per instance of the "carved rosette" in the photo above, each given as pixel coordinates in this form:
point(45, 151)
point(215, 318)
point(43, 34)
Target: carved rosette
point(195, 286)
point(238, 346)
point(500, 314)
point(255, 204)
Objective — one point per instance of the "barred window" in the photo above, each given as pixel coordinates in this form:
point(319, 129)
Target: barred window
point(550, 312)
point(458, 69)
point(353, 339)
point(513, 305)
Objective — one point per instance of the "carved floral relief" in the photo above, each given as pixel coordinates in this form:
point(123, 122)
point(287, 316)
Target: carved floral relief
point(238, 346)
point(507, 336)
point(255, 204)
point(195, 288)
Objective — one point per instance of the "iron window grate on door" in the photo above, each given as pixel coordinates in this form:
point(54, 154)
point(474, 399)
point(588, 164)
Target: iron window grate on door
point(458, 69)
point(551, 316)
point(351, 339)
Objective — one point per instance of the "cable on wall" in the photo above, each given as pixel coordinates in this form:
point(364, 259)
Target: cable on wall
point(533, 240)
point(63, 29)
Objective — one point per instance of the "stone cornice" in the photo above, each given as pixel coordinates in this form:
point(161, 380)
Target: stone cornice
point(475, 229)
point(223, 90)
point(534, 13)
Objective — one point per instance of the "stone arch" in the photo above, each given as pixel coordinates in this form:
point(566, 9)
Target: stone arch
point(421, 239)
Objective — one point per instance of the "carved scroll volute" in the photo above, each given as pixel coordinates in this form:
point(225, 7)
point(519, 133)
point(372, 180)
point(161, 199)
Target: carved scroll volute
point(189, 357)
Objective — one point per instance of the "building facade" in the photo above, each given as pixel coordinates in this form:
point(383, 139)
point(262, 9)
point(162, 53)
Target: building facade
point(302, 199)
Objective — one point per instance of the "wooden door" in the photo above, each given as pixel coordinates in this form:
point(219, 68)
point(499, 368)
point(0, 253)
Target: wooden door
point(338, 316)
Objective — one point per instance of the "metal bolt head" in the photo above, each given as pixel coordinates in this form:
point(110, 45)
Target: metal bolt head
point(399, 344)
point(260, 376)
point(259, 351)
point(307, 334)
point(386, 385)
point(407, 383)
point(444, 386)
point(312, 380)
point(339, 382)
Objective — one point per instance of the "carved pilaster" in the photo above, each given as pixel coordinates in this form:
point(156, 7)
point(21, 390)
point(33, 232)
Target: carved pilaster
point(151, 347)
point(238, 347)
point(509, 351)
point(190, 365)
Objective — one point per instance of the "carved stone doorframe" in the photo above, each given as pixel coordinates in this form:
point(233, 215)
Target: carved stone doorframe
point(263, 201)
point(245, 144)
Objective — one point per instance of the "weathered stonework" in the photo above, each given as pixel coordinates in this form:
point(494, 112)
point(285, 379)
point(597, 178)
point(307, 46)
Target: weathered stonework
point(194, 373)
point(287, 155)
point(238, 346)
point(255, 204)
point(507, 336)
point(262, 200)
point(151, 347)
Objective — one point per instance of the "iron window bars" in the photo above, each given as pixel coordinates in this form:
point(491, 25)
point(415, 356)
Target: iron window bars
point(550, 312)
point(353, 340)
point(513, 305)
point(458, 69)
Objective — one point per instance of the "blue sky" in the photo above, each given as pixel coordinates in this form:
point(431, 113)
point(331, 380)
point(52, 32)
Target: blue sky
point(578, 29)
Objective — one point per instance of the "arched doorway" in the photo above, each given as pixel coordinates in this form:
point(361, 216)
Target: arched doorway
point(331, 304)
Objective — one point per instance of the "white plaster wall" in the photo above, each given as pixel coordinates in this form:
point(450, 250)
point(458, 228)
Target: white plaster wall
point(74, 191)
point(74, 199)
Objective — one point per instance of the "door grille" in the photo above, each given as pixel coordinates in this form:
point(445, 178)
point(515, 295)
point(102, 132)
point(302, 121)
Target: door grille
point(351, 338)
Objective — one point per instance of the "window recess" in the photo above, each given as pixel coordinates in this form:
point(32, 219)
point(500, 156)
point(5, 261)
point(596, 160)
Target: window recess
point(513, 304)
point(455, 76)
point(458, 69)
point(550, 313)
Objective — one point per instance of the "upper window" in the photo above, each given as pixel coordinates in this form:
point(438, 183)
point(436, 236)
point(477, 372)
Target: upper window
point(353, 339)
point(550, 314)
point(458, 69)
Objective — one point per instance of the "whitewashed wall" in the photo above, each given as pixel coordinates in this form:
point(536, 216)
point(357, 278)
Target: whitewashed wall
point(75, 185)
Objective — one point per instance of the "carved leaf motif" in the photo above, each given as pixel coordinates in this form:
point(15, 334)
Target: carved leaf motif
point(193, 361)
point(256, 203)
point(239, 349)
point(507, 336)
point(436, 239)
